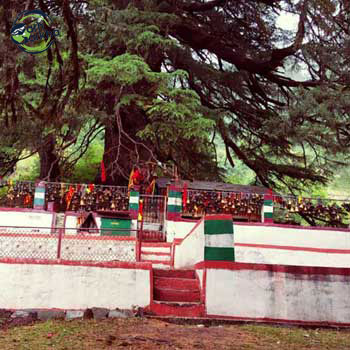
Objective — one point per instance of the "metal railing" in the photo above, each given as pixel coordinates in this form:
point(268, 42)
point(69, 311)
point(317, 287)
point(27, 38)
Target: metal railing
point(241, 205)
point(312, 211)
point(65, 196)
point(67, 244)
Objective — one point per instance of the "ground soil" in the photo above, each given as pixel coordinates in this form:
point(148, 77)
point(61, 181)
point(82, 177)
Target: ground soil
point(150, 334)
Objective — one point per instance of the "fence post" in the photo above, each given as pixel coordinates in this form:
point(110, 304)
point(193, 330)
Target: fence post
point(267, 210)
point(174, 208)
point(59, 245)
point(39, 196)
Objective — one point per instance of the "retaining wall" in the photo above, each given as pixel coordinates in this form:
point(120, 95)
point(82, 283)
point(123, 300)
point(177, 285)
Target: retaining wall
point(288, 245)
point(278, 293)
point(39, 246)
point(42, 221)
point(68, 285)
point(190, 250)
point(178, 229)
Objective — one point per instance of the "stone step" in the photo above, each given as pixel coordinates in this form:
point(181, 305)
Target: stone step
point(176, 283)
point(168, 294)
point(175, 273)
point(154, 257)
point(177, 309)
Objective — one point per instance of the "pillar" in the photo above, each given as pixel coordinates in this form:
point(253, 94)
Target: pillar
point(39, 196)
point(218, 233)
point(134, 204)
point(267, 210)
point(174, 203)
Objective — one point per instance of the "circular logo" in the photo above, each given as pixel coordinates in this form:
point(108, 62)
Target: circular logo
point(32, 31)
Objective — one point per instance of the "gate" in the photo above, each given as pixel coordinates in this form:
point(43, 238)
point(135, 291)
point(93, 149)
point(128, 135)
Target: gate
point(152, 228)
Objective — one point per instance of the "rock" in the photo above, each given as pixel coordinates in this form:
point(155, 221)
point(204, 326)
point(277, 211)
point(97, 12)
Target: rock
point(88, 314)
point(24, 313)
point(74, 314)
point(23, 317)
point(99, 313)
point(120, 313)
point(45, 315)
point(22, 321)
point(140, 312)
point(5, 313)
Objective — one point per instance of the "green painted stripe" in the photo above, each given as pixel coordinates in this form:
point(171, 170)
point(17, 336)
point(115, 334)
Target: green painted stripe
point(134, 206)
point(214, 253)
point(268, 202)
point(217, 227)
point(175, 194)
point(268, 215)
point(39, 201)
point(174, 208)
point(40, 189)
point(134, 194)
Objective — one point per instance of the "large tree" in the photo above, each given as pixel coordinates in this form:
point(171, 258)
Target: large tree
point(238, 63)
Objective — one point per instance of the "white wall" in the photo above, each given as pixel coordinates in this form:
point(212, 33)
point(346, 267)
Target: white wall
point(26, 219)
point(72, 248)
point(98, 249)
point(28, 246)
point(278, 295)
point(72, 287)
point(71, 223)
point(191, 250)
point(291, 246)
point(178, 229)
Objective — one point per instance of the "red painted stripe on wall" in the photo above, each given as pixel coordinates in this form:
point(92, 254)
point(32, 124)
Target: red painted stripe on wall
point(321, 228)
point(156, 244)
point(305, 270)
point(181, 219)
point(279, 320)
point(107, 264)
point(72, 237)
point(173, 216)
point(179, 240)
point(285, 247)
point(154, 253)
point(218, 217)
point(26, 210)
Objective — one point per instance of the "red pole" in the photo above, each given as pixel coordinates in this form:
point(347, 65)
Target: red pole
point(60, 233)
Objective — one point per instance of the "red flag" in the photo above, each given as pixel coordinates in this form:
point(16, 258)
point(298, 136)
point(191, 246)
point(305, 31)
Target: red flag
point(139, 216)
point(184, 196)
point(131, 179)
point(103, 171)
point(151, 187)
point(69, 196)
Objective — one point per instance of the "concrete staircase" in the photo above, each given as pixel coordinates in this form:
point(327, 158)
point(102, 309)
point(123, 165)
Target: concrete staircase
point(159, 254)
point(176, 293)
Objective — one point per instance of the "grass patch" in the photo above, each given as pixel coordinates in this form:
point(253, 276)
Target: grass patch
point(150, 334)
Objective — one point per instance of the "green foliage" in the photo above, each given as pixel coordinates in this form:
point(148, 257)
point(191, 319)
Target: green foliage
point(88, 165)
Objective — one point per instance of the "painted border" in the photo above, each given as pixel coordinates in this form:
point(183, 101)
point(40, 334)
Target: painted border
point(178, 241)
point(279, 320)
point(107, 264)
point(322, 228)
point(71, 237)
point(296, 270)
point(26, 210)
point(305, 249)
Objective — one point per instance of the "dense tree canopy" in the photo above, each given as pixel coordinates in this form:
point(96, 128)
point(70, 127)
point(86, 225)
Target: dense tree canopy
point(166, 81)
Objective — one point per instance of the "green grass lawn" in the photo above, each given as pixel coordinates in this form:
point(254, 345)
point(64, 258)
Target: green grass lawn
point(149, 334)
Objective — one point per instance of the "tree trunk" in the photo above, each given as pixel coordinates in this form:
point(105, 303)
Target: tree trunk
point(120, 155)
point(49, 162)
